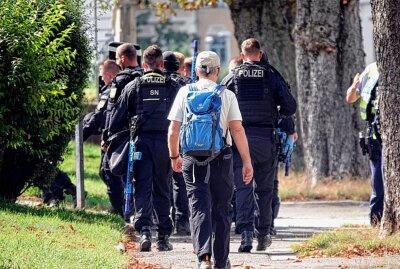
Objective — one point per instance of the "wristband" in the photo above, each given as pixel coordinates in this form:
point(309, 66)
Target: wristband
point(174, 157)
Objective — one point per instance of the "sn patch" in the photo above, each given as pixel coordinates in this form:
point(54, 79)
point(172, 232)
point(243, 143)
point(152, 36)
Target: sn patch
point(113, 92)
point(101, 104)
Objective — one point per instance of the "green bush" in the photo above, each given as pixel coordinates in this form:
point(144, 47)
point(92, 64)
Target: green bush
point(44, 63)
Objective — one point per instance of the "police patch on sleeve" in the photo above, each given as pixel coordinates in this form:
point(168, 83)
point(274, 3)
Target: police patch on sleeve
point(101, 104)
point(113, 92)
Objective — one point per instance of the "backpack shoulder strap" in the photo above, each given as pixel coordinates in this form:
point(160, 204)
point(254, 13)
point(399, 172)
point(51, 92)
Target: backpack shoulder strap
point(219, 88)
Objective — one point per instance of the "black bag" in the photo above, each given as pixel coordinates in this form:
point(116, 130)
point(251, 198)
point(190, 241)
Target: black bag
point(117, 153)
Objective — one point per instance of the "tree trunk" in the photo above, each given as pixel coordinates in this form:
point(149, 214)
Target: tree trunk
point(271, 22)
point(386, 20)
point(328, 54)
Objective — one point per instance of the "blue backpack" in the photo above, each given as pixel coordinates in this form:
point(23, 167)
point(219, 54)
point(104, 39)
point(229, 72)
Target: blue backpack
point(201, 134)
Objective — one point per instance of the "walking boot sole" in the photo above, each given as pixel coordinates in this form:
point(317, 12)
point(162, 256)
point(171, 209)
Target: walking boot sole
point(165, 247)
point(245, 248)
point(262, 248)
point(145, 245)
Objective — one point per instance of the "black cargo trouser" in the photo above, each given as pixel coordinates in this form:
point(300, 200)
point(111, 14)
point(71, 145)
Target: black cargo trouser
point(152, 175)
point(209, 204)
point(254, 201)
point(377, 183)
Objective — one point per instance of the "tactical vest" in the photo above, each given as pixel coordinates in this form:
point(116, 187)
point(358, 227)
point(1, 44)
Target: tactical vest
point(368, 94)
point(255, 99)
point(153, 102)
point(102, 105)
point(118, 84)
point(120, 81)
point(367, 109)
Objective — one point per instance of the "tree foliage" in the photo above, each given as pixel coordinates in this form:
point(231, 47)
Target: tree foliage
point(44, 59)
point(165, 8)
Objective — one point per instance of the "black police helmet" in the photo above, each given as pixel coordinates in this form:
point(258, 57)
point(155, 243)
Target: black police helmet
point(171, 63)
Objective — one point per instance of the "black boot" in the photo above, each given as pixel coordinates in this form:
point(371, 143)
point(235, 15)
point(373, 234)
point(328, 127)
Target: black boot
point(163, 243)
point(247, 241)
point(145, 239)
point(263, 242)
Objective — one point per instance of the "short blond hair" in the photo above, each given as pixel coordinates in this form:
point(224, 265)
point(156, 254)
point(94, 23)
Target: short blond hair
point(111, 66)
point(250, 47)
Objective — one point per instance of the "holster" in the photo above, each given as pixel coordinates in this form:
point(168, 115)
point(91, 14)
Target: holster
point(372, 150)
point(363, 145)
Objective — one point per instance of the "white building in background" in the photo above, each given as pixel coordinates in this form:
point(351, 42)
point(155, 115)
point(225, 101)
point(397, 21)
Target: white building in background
point(213, 26)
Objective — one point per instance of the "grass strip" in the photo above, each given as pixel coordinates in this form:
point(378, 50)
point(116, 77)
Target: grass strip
point(58, 238)
point(349, 242)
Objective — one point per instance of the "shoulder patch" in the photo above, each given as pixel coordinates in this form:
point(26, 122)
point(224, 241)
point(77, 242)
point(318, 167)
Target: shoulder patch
point(101, 104)
point(113, 92)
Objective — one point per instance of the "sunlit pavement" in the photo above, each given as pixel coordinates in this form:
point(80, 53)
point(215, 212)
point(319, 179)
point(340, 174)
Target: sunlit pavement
point(297, 222)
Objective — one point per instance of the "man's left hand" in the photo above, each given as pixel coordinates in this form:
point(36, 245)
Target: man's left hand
point(177, 164)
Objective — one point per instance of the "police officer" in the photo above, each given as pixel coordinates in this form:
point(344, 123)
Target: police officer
point(180, 206)
point(187, 69)
point(171, 67)
point(96, 122)
point(364, 87)
point(259, 91)
point(210, 201)
point(146, 101)
point(181, 59)
point(126, 58)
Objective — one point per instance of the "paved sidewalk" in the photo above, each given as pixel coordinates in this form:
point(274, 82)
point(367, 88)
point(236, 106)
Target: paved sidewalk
point(297, 221)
